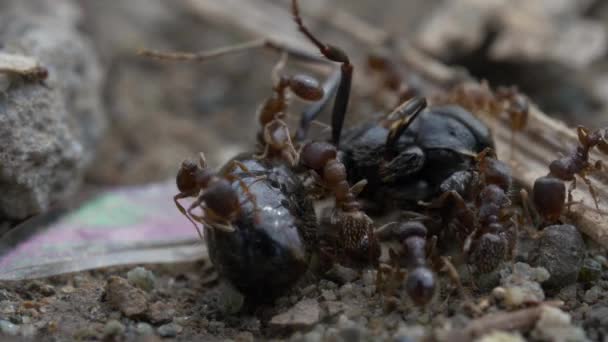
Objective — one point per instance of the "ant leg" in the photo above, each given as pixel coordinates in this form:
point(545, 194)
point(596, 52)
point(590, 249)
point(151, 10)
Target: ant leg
point(570, 189)
point(591, 190)
point(334, 54)
point(525, 203)
point(198, 202)
point(181, 208)
point(310, 114)
point(264, 154)
point(240, 47)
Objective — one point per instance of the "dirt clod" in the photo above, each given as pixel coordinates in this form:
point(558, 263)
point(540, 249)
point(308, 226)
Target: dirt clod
point(303, 315)
point(126, 298)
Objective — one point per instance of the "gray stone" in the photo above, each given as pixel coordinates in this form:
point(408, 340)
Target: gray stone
point(142, 278)
point(8, 328)
point(159, 313)
point(113, 328)
point(48, 132)
point(590, 271)
point(593, 295)
point(341, 274)
point(301, 316)
point(169, 330)
point(560, 251)
point(144, 329)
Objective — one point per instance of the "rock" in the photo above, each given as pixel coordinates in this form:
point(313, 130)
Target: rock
point(113, 328)
point(142, 278)
point(159, 313)
point(522, 286)
point(144, 329)
point(48, 132)
point(303, 315)
point(8, 328)
point(126, 298)
point(593, 295)
point(341, 274)
point(40, 287)
point(591, 270)
point(328, 295)
point(556, 325)
point(560, 251)
point(501, 336)
point(346, 290)
point(410, 333)
point(169, 330)
point(597, 316)
point(244, 336)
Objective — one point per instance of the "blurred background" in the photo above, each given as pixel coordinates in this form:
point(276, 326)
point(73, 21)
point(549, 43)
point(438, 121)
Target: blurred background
point(108, 117)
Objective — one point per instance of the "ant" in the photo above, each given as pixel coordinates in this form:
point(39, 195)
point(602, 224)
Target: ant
point(481, 214)
point(214, 194)
point(549, 192)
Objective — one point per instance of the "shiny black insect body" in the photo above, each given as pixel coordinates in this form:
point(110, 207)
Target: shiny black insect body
point(405, 167)
point(272, 241)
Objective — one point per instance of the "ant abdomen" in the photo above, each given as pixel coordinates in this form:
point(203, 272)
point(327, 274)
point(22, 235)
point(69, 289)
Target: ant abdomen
point(549, 194)
point(306, 87)
point(316, 154)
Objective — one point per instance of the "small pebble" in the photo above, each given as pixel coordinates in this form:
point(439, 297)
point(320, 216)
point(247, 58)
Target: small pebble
point(369, 278)
point(169, 330)
point(346, 290)
point(142, 278)
point(341, 274)
point(593, 295)
point(9, 328)
point(121, 295)
point(590, 271)
point(328, 295)
point(113, 328)
point(556, 325)
point(144, 329)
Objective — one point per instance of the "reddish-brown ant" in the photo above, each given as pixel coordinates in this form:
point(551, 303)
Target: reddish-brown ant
point(549, 192)
point(481, 215)
point(214, 194)
point(275, 135)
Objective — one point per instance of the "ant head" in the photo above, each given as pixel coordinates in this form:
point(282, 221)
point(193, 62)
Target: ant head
point(420, 285)
point(186, 176)
point(306, 87)
point(487, 252)
point(192, 176)
point(315, 155)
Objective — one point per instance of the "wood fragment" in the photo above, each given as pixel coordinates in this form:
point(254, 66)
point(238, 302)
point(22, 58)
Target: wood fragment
point(540, 143)
point(24, 66)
